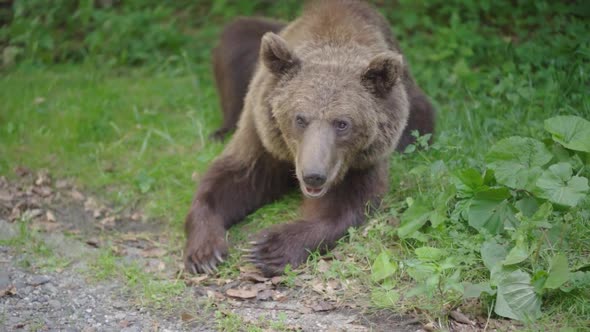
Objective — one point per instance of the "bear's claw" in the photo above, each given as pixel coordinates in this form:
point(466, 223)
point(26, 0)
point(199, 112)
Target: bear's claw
point(204, 256)
point(272, 252)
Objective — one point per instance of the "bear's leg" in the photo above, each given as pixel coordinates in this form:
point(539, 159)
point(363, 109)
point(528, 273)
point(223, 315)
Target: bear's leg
point(229, 190)
point(234, 61)
point(325, 220)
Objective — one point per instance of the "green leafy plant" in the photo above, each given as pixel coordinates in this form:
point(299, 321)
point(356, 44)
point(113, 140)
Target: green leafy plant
point(526, 196)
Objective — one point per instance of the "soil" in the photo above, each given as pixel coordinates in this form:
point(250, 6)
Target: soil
point(60, 291)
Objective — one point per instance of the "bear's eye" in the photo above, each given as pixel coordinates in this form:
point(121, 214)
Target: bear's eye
point(341, 125)
point(300, 121)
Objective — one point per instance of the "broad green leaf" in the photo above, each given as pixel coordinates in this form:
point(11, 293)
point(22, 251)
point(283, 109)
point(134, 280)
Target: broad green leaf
point(517, 254)
point(414, 218)
point(489, 210)
point(516, 297)
point(573, 132)
point(492, 253)
point(467, 182)
point(383, 267)
point(429, 254)
point(475, 290)
point(517, 161)
point(527, 206)
point(418, 270)
point(541, 217)
point(543, 212)
point(438, 217)
point(385, 298)
point(559, 186)
point(559, 272)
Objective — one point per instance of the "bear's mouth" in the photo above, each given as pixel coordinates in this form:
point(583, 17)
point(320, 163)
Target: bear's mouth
point(314, 192)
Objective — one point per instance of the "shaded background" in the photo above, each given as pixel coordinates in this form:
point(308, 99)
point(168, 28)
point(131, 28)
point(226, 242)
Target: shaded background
point(133, 32)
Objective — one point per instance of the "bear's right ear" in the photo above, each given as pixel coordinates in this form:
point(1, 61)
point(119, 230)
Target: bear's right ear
point(383, 72)
point(276, 55)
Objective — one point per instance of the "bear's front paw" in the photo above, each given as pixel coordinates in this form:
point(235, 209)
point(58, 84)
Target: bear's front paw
point(204, 250)
point(274, 249)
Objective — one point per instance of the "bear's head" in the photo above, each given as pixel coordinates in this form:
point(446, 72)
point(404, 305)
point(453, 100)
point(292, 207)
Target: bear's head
point(335, 111)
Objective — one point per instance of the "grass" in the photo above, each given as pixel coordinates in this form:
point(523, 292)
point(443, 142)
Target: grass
point(138, 135)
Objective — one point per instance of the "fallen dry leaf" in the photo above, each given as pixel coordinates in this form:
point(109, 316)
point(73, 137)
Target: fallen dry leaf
point(33, 213)
point(429, 327)
point(278, 296)
point(276, 280)
point(193, 281)
point(45, 226)
point(333, 285)
point(130, 236)
point(460, 317)
point(42, 191)
point(90, 204)
point(8, 291)
point(50, 216)
point(93, 242)
point(255, 277)
point(75, 194)
point(248, 269)
point(136, 216)
point(304, 310)
point(108, 222)
point(43, 179)
point(322, 306)
point(242, 293)
point(186, 317)
point(154, 265)
point(15, 213)
point(153, 252)
point(318, 286)
point(214, 295)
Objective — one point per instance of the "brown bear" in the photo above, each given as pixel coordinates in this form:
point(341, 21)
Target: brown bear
point(330, 97)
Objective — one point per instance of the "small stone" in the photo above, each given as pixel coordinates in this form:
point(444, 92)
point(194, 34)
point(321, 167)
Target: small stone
point(39, 280)
point(118, 305)
point(51, 289)
point(54, 304)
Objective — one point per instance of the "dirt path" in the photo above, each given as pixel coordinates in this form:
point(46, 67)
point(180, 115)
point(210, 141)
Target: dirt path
point(58, 278)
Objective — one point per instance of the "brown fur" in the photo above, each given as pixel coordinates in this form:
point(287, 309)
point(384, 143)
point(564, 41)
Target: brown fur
point(234, 61)
point(337, 63)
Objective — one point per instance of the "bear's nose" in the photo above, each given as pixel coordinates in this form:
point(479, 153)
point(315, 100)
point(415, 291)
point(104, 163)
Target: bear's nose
point(314, 180)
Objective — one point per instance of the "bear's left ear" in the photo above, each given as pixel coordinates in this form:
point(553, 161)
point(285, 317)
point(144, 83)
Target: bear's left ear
point(276, 55)
point(383, 73)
